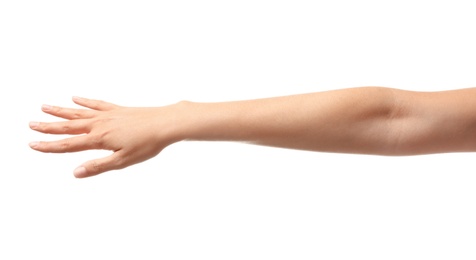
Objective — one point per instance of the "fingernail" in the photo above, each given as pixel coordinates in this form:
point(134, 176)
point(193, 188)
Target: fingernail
point(46, 107)
point(34, 124)
point(78, 172)
point(33, 144)
point(76, 98)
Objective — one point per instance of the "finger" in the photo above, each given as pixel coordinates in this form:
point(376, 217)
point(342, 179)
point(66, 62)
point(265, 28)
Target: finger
point(94, 104)
point(72, 144)
point(72, 127)
point(68, 113)
point(97, 166)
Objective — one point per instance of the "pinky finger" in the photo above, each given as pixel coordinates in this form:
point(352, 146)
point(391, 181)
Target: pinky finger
point(97, 166)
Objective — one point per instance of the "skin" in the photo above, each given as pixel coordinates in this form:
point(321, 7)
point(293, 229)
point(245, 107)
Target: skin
point(364, 120)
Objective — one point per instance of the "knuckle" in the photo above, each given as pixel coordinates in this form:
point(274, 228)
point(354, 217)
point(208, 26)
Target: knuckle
point(65, 128)
point(97, 141)
point(48, 128)
point(64, 146)
point(94, 104)
point(118, 162)
point(42, 146)
point(96, 166)
point(42, 126)
point(57, 110)
point(77, 115)
point(98, 121)
point(39, 126)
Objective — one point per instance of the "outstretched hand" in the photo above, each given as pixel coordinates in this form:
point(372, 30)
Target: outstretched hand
point(133, 134)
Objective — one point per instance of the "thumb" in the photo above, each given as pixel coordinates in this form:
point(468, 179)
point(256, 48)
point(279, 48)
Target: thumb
point(100, 165)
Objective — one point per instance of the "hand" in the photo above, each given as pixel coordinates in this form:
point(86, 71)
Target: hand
point(133, 134)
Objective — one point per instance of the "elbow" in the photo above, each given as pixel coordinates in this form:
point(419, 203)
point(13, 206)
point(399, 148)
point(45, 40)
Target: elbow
point(409, 131)
point(432, 122)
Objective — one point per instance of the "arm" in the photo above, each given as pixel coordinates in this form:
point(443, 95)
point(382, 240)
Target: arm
point(370, 120)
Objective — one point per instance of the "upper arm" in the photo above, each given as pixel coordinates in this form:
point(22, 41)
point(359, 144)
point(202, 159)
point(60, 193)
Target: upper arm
point(433, 122)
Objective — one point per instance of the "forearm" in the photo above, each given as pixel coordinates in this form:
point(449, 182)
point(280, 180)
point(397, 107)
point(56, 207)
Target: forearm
point(349, 120)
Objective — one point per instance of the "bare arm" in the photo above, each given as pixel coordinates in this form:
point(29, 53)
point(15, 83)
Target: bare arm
point(348, 120)
point(370, 120)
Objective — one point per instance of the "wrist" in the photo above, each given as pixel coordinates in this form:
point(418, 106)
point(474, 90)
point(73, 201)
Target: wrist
point(207, 121)
point(186, 120)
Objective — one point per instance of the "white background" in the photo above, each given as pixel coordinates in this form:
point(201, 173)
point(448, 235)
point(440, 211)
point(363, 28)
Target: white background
point(204, 200)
